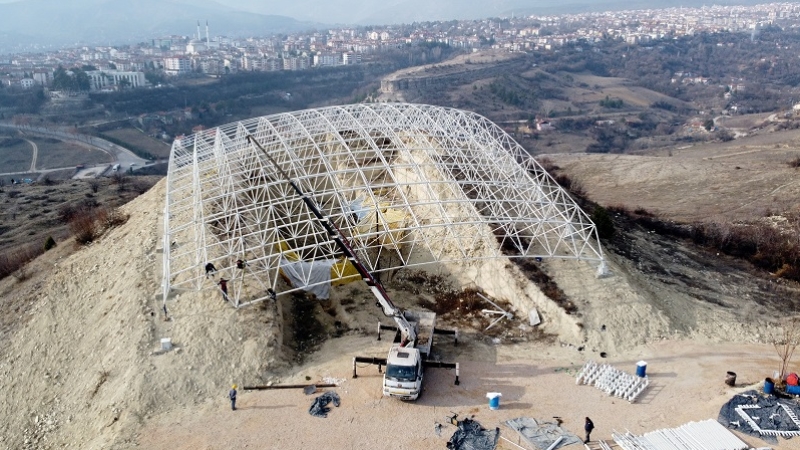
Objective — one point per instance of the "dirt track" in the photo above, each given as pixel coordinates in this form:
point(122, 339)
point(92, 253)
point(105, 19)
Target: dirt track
point(535, 381)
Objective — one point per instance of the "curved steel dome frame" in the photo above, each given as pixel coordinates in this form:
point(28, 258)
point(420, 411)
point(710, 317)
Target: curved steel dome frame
point(408, 184)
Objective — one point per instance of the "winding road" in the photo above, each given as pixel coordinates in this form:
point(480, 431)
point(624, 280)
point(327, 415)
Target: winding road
point(35, 154)
point(122, 156)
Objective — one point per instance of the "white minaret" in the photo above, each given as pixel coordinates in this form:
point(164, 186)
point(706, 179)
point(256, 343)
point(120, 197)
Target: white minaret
point(198, 31)
point(208, 40)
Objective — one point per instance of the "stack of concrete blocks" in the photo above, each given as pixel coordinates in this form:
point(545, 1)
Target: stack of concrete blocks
point(612, 381)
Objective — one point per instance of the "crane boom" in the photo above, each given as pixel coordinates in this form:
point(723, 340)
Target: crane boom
point(408, 333)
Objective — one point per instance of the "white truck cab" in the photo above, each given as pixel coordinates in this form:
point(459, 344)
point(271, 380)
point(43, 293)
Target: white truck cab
point(403, 377)
point(405, 363)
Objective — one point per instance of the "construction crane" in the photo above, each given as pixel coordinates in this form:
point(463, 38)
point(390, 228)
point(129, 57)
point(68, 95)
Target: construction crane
point(409, 353)
point(408, 333)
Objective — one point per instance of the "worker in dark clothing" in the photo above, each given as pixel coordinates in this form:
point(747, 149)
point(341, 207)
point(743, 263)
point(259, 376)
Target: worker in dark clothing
point(223, 286)
point(241, 264)
point(210, 270)
point(232, 396)
point(588, 427)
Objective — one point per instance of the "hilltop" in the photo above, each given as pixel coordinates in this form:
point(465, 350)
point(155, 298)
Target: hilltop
point(82, 364)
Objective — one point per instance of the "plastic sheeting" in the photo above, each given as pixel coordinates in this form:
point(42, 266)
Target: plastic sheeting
point(542, 434)
point(320, 406)
point(470, 435)
point(304, 274)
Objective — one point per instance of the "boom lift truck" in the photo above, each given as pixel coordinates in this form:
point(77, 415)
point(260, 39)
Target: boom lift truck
point(408, 355)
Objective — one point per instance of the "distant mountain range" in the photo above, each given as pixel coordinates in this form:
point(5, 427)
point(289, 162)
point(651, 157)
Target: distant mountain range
point(376, 12)
point(35, 24)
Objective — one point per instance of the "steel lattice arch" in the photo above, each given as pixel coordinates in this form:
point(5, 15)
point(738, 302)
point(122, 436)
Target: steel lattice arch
point(409, 185)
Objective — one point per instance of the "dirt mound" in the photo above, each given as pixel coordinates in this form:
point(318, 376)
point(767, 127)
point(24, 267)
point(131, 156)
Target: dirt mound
point(82, 366)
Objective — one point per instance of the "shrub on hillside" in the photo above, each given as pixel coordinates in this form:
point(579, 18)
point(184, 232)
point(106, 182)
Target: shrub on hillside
point(84, 227)
point(15, 260)
point(49, 243)
point(89, 224)
point(603, 222)
point(762, 244)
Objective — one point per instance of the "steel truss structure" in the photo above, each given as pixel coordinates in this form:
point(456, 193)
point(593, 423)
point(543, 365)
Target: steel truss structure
point(408, 185)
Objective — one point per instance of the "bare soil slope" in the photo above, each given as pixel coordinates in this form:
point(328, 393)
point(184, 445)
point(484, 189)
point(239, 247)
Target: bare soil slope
point(81, 367)
point(742, 179)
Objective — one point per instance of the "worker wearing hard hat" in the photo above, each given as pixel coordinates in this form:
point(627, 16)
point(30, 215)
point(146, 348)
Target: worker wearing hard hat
point(232, 396)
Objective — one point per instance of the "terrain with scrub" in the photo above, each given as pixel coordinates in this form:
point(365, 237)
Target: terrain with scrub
point(82, 364)
point(83, 367)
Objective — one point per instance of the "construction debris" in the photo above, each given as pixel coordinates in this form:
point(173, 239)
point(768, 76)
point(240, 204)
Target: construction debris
point(544, 435)
point(470, 435)
point(304, 387)
point(706, 435)
point(320, 406)
point(763, 416)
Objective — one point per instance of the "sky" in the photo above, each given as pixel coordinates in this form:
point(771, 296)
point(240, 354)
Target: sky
point(389, 11)
point(382, 11)
point(377, 12)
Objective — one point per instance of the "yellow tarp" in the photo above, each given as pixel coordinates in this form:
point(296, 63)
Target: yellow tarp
point(393, 220)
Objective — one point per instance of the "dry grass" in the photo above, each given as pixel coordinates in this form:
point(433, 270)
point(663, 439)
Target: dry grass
point(140, 140)
point(15, 155)
point(54, 153)
point(29, 214)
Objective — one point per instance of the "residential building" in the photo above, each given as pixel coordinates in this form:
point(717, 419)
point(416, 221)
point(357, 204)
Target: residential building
point(177, 66)
point(101, 79)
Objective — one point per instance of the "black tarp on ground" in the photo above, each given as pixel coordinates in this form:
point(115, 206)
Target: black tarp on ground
point(320, 406)
point(768, 416)
point(470, 435)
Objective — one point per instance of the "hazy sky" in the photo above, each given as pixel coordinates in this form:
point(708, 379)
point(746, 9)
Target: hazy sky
point(376, 12)
point(373, 11)
point(389, 11)
point(365, 11)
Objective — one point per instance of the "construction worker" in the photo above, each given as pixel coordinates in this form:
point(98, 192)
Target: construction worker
point(241, 264)
point(223, 286)
point(588, 427)
point(210, 270)
point(232, 396)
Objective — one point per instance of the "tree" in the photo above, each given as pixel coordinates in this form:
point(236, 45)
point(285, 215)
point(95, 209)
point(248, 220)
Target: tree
point(785, 339)
point(61, 80)
point(82, 80)
point(75, 80)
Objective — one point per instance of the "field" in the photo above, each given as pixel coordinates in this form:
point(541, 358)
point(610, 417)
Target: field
point(54, 154)
point(15, 155)
point(138, 142)
point(592, 89)
point(747, 178)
